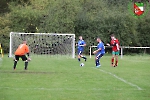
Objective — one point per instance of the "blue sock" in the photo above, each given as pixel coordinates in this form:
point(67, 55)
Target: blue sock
point(97, 62)
point(84, 57)
point(79, 59)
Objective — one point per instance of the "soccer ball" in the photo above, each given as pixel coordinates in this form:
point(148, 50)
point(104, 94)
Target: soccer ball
point(82, 64)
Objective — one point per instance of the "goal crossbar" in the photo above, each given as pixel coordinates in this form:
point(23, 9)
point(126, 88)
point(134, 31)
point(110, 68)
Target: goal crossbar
point(45, 33)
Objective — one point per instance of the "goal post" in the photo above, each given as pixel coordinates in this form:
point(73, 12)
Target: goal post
point(44, 43)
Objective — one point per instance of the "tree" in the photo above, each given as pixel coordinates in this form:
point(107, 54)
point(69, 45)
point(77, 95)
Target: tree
point(4, 32)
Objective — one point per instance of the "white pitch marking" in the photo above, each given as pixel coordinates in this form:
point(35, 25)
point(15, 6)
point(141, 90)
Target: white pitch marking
point(57, 89)
point(121, 79)
point(51, 89)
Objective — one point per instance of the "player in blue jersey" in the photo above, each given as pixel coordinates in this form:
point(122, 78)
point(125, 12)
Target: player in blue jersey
point(99, 52)
point(80, 45)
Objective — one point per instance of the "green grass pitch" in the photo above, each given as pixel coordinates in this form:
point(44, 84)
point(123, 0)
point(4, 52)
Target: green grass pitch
point(61, 78)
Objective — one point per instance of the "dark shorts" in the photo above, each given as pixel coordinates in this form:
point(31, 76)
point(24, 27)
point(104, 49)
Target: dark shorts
point(99, 55)
point(80, 52)
point(23, 57)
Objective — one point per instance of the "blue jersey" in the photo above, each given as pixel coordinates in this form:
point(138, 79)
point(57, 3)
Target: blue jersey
point(80, 45)
point(101, 45)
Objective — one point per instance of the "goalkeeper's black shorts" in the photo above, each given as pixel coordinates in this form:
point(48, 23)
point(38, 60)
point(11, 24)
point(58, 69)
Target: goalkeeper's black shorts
point(23, 57)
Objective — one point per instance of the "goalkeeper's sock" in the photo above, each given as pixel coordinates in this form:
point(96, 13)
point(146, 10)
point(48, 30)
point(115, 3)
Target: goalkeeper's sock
point(15, 64)
point(79, 59)
point(26, 65)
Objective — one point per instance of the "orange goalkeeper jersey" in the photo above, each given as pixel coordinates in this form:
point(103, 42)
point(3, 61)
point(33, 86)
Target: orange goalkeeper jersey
point(22, 49)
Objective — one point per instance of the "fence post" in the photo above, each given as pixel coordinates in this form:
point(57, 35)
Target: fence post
point(121, 52)
point(90, 51)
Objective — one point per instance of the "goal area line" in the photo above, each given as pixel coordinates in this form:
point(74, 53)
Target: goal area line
point(60, 89)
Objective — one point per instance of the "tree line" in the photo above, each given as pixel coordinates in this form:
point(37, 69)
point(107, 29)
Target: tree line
point(89, 18)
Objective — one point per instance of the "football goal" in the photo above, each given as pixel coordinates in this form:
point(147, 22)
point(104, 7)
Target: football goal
point(44, 43)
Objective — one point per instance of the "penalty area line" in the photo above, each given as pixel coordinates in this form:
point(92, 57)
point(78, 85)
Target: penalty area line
point(121, 79)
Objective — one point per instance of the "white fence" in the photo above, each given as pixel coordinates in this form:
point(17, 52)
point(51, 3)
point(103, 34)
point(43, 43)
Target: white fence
point(121, 49)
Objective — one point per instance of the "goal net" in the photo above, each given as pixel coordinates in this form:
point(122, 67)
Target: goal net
point(44, 43)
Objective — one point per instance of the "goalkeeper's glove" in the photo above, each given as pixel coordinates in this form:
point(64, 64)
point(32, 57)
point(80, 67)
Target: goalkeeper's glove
point(29, 59)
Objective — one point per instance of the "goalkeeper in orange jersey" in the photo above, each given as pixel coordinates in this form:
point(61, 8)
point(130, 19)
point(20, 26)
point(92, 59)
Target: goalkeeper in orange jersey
point(115, 50)
point(21, 52)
